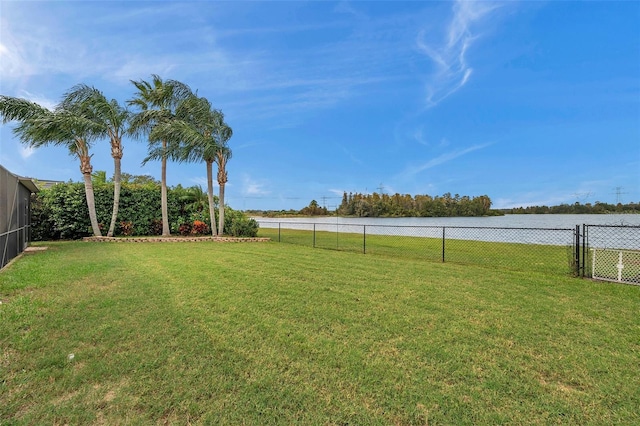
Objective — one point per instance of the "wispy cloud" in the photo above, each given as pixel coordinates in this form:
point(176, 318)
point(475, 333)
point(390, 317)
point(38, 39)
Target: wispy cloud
point(441, 159)
point(26, 152)
point(202, 181)
point(39, 99)
point(449, 55)
point(252, 187)
point(418, 136)
point(350, 155)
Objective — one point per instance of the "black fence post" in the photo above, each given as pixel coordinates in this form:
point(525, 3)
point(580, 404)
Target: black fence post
point(443, 239)
point(314, 235)
point(584, 249)
point(364, 239)
point(577, 250)
point(278, 231)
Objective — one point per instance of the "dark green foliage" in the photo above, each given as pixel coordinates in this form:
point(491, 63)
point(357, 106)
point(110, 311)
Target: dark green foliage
point(237, 224)
point(60, 212)
point(397, 205)
point(577, 208)
point(314, 209)
point(42, 228)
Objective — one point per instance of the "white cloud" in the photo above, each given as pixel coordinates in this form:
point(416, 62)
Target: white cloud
point(12, 64)
point(39, 99)
point(452, 70)
point(251, 187)
point(350, 155)
point(202, 181)
point(26, 152)
point(418, 135)
point(441, 159)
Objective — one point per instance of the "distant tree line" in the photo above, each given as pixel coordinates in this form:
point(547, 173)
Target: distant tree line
point(397, 205)
point(577, 208)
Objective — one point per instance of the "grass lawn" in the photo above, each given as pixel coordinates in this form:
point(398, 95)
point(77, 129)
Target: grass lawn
point(532, 258)
point(268, 333)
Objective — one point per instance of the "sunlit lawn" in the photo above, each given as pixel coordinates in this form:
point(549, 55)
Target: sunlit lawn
point(520, 257)
point(268, 333)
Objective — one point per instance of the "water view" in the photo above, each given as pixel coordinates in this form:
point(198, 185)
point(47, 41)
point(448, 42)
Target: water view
point(530, 229)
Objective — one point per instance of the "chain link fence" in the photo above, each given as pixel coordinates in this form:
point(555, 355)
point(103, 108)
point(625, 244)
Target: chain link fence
point(546, 250)
point(612, 253)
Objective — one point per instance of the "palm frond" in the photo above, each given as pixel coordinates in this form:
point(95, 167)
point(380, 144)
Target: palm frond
point(18, 109)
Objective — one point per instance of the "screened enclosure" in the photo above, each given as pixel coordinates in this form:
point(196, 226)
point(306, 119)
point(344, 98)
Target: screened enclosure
point(15, 214)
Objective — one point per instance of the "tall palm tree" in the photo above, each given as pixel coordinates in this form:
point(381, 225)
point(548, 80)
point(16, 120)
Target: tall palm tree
point(111, 120)
point(196, 127)
point(157, 101)
point(222, 155)
point(39, 126)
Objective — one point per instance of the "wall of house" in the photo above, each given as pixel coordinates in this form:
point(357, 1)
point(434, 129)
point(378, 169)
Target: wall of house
point(15, 216)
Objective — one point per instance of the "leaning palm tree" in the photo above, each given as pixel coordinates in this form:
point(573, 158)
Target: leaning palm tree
point(38, 126)
point(196, 127)
point(222, 155)
point(112, 120)
point(157, 101)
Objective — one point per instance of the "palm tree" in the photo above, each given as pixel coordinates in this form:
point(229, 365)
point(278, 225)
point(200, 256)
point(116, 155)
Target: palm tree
point(196, 126)
point(157, 101)
point(39, 126)
point(222, 155)
point(111, 119)
point(195, 200)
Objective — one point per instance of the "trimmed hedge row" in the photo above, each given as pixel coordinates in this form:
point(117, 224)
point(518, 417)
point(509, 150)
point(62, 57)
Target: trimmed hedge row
point(61, 212)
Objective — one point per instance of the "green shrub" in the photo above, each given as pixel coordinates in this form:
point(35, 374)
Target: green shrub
point(61, 212)
point(237, 224)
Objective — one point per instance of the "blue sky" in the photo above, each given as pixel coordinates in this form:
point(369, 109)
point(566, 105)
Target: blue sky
point(526, 102)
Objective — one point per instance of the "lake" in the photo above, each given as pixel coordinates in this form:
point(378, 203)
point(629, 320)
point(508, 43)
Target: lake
point(554, 229)
point(552, 221)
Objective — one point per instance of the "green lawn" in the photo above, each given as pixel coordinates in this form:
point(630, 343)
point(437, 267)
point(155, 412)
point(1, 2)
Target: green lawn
point(268, 333)
point(533, 258)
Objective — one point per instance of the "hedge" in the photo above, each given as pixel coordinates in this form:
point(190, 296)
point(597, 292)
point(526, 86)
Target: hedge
point(60, 212)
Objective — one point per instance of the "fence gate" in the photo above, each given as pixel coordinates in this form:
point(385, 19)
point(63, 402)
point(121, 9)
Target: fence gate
point(613, 253)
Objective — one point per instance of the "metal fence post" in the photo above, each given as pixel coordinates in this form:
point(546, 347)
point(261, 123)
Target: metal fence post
point(314, 235)
point(364, 239)
point(278, 231)
point(443, 239)
point(577, 250)
point(584, 250)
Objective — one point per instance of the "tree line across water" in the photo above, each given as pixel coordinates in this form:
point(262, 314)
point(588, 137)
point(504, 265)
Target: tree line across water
point(177, 124)
point(577, 208)
point(397, 205)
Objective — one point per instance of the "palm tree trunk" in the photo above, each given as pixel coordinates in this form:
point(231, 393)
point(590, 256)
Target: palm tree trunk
point(221, 215)
point(163, 194)
point(91, 204)
point(212, 210)
point(117, 156)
